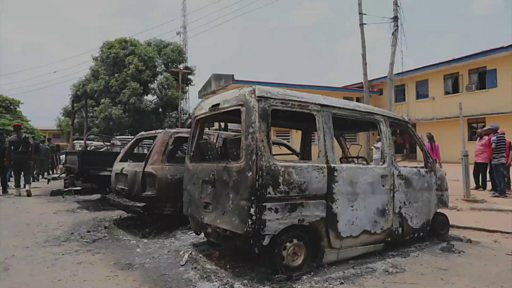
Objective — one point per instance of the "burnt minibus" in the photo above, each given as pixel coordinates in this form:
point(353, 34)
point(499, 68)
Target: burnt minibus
point(339, 194)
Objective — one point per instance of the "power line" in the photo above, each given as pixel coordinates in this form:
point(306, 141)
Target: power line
point(43, 87)
point(46, 81)
point(195, 28)
point(233, 18)
point(94, 50)
point(177, 29)
point(37, 76)
point(199, 19)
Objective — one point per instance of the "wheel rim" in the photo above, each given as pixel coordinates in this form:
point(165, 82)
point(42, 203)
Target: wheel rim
point(294, 253)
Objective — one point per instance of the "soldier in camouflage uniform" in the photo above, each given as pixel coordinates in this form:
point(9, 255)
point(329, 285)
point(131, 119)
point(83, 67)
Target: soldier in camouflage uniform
point(3, 163)
point(20, 149)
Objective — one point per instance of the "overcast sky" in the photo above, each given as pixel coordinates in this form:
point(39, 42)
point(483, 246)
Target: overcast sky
point(297, 41)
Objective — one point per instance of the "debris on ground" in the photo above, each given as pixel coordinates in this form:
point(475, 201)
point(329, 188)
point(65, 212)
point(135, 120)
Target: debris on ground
point(185, 257)
point(449, 247)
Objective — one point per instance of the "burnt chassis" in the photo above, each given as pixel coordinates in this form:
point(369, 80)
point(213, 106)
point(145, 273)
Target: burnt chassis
point(129, 181)
point(261, 202)
point(88, 169)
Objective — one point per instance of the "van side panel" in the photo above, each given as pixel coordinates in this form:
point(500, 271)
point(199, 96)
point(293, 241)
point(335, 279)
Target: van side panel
point(220, 194)
point(289, 192)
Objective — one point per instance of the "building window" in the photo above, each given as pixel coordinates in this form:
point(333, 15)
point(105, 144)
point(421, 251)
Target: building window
point(451, 84)
point(380, 91)
point(474, 124)
point(422, 89)
point(481, 78)
point(400, 93)
point(348, 98)
point(284, 135)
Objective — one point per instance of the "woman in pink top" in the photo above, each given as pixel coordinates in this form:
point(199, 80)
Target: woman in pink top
point(482, 159)
point(433, 149)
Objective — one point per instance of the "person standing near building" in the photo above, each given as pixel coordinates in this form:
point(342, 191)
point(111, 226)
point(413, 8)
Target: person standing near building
point(434, 149)
point(3, 164)
point(482, 159)
point(509, 161)
point(499, 160)
point(19, 156)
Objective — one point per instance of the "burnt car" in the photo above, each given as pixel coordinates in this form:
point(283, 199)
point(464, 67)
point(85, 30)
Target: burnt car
point(90, 166)
point(147, 176)
point(328, 201)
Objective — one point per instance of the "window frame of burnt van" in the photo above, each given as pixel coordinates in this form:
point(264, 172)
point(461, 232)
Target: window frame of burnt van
point(285, 106)
point(198, 132)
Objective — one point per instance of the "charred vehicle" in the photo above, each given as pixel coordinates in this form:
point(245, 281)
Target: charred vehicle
point(90, 164)
point(323, 203)
point(147, 177)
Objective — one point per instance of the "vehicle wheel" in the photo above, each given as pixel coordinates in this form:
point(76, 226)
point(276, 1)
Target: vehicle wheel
point(292, 251)
point(440, 225)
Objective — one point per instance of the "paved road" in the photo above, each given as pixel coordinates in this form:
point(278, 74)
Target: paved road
point(79, 242)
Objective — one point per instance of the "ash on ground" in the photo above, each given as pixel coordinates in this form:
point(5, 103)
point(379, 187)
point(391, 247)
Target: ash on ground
point(169, 254)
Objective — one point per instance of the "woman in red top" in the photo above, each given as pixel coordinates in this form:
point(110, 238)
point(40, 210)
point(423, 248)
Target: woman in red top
point(433, 149)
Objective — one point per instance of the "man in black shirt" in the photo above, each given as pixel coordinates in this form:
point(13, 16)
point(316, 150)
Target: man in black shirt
point(3, 165)
point(19, 156)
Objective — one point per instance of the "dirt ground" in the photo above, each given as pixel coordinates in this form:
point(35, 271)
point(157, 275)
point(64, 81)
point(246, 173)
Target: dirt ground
point(79, 241)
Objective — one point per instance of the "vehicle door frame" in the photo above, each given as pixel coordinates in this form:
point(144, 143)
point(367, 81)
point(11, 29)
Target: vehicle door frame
point(369, 230)
point(136, 181)
point(413, 185)
point(278, 208)
point(223, 175)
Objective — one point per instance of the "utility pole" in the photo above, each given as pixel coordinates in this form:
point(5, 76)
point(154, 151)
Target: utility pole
point(465, 157)
point(394, 43)
point(86, 120)
point(366, 89)
point(366, 99)
point(181, 107)
point(71, 128)
point(184, 31)
point(184, 100)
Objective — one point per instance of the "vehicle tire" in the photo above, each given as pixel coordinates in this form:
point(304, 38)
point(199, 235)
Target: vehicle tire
point(292, 251)
point(440, 225)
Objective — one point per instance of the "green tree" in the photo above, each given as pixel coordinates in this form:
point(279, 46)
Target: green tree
point(129, 88)
point(10, 113)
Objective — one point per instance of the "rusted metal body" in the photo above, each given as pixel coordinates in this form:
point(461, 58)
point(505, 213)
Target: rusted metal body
point(147, 176)
point(345, 209)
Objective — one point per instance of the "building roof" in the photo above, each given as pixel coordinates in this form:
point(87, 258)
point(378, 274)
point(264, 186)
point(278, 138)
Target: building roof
point(443, 64)
point(217, 82)
point(283, 94)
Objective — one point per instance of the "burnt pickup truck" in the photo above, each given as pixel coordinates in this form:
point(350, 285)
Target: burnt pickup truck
point(91, 167)
point(147, 176)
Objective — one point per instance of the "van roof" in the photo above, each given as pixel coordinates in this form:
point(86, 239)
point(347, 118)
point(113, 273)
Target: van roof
point(283, 94)
point(156, 132)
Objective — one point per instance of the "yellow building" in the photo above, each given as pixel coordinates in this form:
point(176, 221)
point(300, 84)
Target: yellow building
point(55, 134)
point(429, 96)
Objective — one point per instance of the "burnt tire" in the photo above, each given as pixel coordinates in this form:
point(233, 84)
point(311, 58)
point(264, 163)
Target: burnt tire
point(292, 252)
point(440, 226)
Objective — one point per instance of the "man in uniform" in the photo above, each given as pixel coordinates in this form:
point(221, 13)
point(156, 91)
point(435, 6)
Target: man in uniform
point(43, 162)
point(3, 164)
point(19, 157)
point(53, 155)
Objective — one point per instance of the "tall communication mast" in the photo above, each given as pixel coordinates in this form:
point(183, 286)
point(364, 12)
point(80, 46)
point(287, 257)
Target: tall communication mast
point(184, 106)
point(184, 32)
